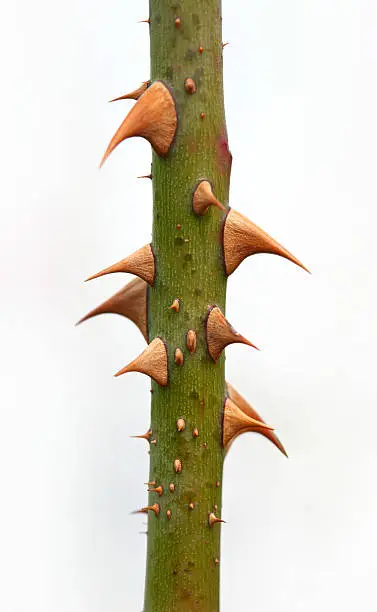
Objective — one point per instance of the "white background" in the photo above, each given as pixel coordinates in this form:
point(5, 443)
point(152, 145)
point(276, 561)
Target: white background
point(300, 87)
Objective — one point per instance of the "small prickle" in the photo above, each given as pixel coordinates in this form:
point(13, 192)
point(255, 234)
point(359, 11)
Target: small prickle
point(177, 466)
point(154, 442)
point(203, 198)
point(220, 333)
point(191, 341)
point(175, 305)
point(212, 519)
point(178, 357)
point(155, 508)
point(168, 514)
point(201, 49)
point(172, 487)
point(191, 506)
point(134, 95)
point(195, 433)
point(181, 424)
point(159, 490)
point(217, 561)
point(190, 86)
point(202, 115)
point(177, 22)
point(145, 436)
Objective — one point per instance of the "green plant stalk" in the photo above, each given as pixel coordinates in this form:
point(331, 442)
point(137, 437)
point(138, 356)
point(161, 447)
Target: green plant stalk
point(183, 553)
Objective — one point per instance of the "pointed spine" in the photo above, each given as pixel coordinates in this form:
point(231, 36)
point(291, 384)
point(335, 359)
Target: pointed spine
point(153, 117)
point(236, 422)
point(241, 238)
point(146, 436)
point(141, 263)
point(203, 198)
point(243, 405)
point(155, 508)
point(153, 362)
point(220, 333)
point(130, 302)
point(133, 95)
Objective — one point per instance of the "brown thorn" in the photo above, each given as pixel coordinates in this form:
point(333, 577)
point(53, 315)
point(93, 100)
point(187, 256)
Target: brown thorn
point(195, 433)
point(168, 514)
point(241, 238)
point(203, 198)
point(220, 333)
point(243, 405)
point(236, 422)
point(145, 21)
point(172, 487)
point(153, 117)
point(201, 49)
point(153, 442)
point(177, 22)
point(212, 519)
point(202, 115)
point(129, 302)
point(155, 508)
point(148, 176)
point(191, 506)
point(145, 436)
point(159, 490)
point(141, 263)
point(133, 95)
point(153, 362)
point(152, 483)
point(181, 424)
point(224, 44)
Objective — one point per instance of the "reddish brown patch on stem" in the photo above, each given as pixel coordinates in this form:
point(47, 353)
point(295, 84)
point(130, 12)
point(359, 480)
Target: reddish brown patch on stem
point(224, 156)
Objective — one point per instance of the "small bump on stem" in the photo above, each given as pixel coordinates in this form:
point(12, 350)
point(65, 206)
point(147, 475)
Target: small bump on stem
point(178, 357)
point(175, 305)
point(177, 466)
point(190, 86)
point(181, 424)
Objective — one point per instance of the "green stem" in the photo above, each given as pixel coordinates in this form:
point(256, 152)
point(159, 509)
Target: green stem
point(184, 552)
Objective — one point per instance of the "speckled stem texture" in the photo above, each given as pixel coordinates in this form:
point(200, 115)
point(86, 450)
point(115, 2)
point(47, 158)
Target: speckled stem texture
point(184, 550)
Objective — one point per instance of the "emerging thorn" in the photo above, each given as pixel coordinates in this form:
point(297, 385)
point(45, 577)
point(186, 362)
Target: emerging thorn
point(191, 341)
point(153, 362)
point(177, 466)
point(141, 263)
point(195, 433)
point(181, 424)
point(178, 357)
point(191, 506)
point(220, 333)
point(168, 514)
point(153, 117)
point(177, 22)
point(212, 519)
point(190, 86)
point(242, 238)
point(203, 198)
point(245, 407)
point(201, 49)
point(172, 487)
point(175, 305)
point(129, 302)
point(134, 95)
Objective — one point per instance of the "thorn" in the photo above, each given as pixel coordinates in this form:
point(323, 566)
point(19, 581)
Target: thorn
point(153, 362)
point(133, 95)
point(190, 86)
point(172, 487)
point(145, 436)
point(224, 44)
point(220, 333)
point(155, 508)
point(203, 198)
point(181, 424)
point(191, 341)
point(191, 506)
point(217, 562)
point(153, 117)
point(159, 490)
point(175, 305)
point(195, 433)
point(242, 238)
point(153, 442)
point(243, 405)
point(148, 176)
point(151, 484)
point(201, 49)
point(178, 226)
point(202, 115)
point(217, 483)
point(140, 263)
point(129, 302)
point(168, 514)
point(204, 444)
point(212, 519)
point(177, 466)
point(236, 422)
point(145, 21)
point(177, 22)
point(178, 357)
